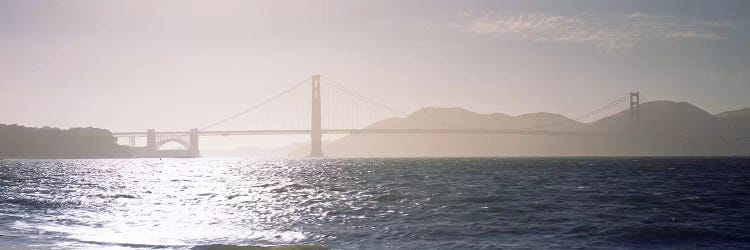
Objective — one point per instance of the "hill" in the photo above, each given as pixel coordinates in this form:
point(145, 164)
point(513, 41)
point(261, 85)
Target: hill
point(462, 118)
point(665, 118)
point(735, 113)
point(738, 121)
point(27, 142)
point(667, 128)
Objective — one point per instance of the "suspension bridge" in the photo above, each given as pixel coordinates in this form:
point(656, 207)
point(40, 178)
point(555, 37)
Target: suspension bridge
point(332, 109)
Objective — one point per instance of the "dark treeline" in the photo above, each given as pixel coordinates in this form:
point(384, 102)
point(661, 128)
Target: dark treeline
point(27, 142)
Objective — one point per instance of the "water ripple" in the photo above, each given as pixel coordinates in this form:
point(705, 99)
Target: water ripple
point(377, 203)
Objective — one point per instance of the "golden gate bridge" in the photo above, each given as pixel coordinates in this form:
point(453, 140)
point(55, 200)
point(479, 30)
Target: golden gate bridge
point(337, 110)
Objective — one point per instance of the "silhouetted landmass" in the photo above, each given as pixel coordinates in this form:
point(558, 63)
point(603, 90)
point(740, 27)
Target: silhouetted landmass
point(735, 113)
point(462, 118)
point(27, 142)
point(737, 120)
point(667, 129)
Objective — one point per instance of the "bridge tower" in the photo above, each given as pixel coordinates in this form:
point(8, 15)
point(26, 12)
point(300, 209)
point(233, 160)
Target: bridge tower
point(635, 111)
point(315, 126)
point(194, 149)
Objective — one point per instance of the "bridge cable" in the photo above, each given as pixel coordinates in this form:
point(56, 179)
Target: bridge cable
point(256, 106)
point(402, 113)
point(580, 117)
point(387, 107)
point(364, 98)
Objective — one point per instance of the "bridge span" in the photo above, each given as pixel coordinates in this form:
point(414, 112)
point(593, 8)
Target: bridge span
point(156, 139)
point(371, 131)
point(316, 129)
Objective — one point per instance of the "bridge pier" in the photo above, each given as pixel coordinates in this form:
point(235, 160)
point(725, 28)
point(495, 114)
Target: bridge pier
point(316, 135)
point(194, 149)
point(151, 140)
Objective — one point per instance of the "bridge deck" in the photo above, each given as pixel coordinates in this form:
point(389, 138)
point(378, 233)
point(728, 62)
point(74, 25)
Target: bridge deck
point(373, 131)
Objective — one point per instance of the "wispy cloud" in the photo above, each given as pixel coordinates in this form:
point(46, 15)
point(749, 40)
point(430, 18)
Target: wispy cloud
point(610, 33)
point(694, 35)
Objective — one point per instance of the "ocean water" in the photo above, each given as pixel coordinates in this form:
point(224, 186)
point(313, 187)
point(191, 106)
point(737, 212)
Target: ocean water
point(453, 203)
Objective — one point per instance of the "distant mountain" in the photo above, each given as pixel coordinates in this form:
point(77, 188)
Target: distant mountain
point(738, 121)
point(462, 118)
point(667, 128)
point(665, 117)
point(735, 113)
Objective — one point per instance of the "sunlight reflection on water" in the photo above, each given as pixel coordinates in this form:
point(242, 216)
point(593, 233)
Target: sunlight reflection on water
point(371, 203)
point(176, 202)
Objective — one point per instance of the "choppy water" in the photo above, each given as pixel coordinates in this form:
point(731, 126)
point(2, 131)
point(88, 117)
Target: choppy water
point(377, 203)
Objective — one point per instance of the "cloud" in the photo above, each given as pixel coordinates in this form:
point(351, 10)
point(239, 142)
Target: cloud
point(718, 24)
point(636, 15)
point(694, 35)
point(607, 32)
point(524, 24)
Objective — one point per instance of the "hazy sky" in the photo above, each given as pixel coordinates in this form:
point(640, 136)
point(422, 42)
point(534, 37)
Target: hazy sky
point(133, 65)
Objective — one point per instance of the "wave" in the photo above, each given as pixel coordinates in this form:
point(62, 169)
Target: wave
point(668, 234)
point(237, 247)
point(38, 203)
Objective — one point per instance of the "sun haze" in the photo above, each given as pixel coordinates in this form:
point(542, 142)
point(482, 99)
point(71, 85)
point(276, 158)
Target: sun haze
point(176, 65)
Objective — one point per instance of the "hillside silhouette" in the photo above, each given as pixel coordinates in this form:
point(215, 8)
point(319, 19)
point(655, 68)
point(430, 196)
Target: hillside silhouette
point(735, 113)
point(462, 118)
point(667, 129)
point(27, 142)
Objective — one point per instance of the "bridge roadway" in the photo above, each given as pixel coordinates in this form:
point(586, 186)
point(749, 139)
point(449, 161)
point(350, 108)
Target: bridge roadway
point(374, 131)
